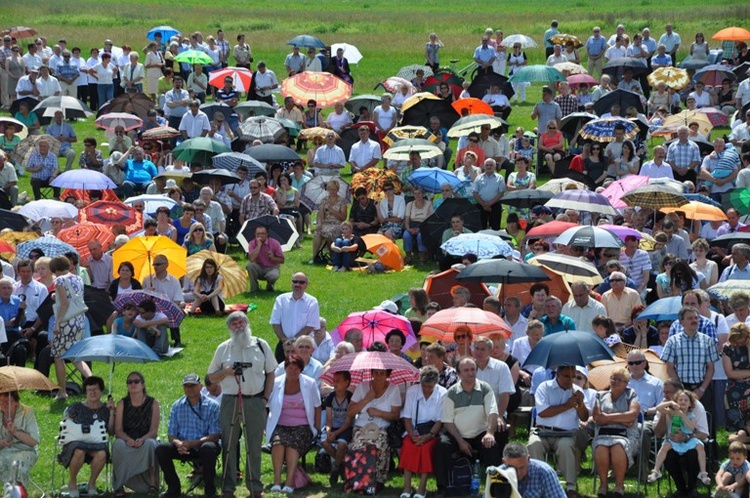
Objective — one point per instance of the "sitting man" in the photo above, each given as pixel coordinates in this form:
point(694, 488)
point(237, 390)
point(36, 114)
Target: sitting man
point(457, 228)
point(139, 172)
point(554, 320)
point(11, 318)
point(152, 326)
point(265, 259)
point(193, 436)
point(560, 408)
point(498, 101)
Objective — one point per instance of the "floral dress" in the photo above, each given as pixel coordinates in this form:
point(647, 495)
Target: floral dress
point(330, 226)
point(71, 330)
point(521, 183)
point(737, 393)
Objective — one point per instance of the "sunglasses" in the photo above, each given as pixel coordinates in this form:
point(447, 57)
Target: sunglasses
point(198, 230)
point(159, 264)
point(133, 381)
point(638, 362)
point(616, 280)
point(299, 282)
point(551, 128)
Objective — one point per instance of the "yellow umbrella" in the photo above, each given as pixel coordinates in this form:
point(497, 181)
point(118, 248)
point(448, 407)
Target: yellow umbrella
point(235, 277)
point(698, 211)
point(316, 132)
point(647, 242)
point(405, 132)
point(15, 238)
point(21, 379)
point(563, 38)
point(685, 118)
point(671, 76)
point(141, 251)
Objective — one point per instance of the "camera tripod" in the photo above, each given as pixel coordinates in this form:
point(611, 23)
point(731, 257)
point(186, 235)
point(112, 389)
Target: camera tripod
point(238, 412)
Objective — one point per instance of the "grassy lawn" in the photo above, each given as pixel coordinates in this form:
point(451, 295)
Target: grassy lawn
point(390, 35)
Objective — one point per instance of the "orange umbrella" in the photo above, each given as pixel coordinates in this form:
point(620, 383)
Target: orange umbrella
point(472, 106)
point(325, 88)
point(698, 211)
point(732, 34)
point(557, 287)
point(79, 236)
point(83, 195)
point(112, 213)
point(443, 323)
point(600, 371)
point(387, 252)
point(439, 286)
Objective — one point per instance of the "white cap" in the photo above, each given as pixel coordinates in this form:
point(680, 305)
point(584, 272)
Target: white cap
point(582, 370)
point(388, 306)
point(170, 183)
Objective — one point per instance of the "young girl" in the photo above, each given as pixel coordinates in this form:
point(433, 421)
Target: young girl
point(208, 288)
point(680, 419)
point(124, 325)
point(344, 248)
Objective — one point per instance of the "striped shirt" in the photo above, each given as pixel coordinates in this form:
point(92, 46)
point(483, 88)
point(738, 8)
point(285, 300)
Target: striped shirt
point(469, 411)
point(690, 355)
point(636, 265)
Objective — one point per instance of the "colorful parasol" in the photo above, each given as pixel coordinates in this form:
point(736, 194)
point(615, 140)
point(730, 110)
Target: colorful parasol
point(325, 88)
point(113, 213)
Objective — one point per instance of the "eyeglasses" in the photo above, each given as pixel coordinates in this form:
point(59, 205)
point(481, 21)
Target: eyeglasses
point(596, 148)
point(616, 280)
point(159, 264)
point(133, 381)
point(460, 337)
point(635, 362)
point(551, 128)
point(119, 133)
point(254, 188)
point(579, 377)
point(474, 141)
point(304, 347)
point(299, 282)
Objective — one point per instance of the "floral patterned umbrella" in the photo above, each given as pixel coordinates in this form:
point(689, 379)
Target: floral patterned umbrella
point(113, 213)
point(373, 179)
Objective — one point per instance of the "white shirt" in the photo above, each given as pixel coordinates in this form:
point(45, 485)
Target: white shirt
point(584, 316)
point(253, 380)
point(364, 152)
point(497, 375)
point(338, 121)
point(295, 314)
point(194, 125)
point(518, 328)
point(548, 394)
point(430, 409)
point(168, 286)
point(325, 349)
point(652, 170)
point(496, 99)
point(263, 80)
point(48, 87)
point(35, 293)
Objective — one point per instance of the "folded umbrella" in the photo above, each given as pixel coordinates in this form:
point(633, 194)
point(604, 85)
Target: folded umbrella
point(83, 179)
point(385, 250)
point(361, 365)
point(569, 348)
point(443, 324)
point(482, 245)
point(665, 309)
point(280, 229)
point(234, 276)
point(526, 198)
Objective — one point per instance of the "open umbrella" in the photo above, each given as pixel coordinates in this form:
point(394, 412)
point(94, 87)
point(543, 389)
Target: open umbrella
point(261, 128)
point(556, 282)
point(317, 132)
point(525, 41)
point(13, 378)
point(14, 238)
point(695, 210)
point(564, 38)
point(672, 77)
point(714, 115)
point(151, 202)
point(623, 98)
point(139, 103)
point(50, 245)
point(474, 123)
point(280, 229)
point(582, 200)
point(551, 229)
point(160, 133)
point(471, 106)
point(714, 74)
point(21, 130)
point(443, 76)
point(27, 146)
point(83, 179)
point(375, 324)
point(737, 198)
point(216, 107)
point(141, 251)
point(112, 120)
point(20, 32)
point(405, 132)
point(241, 78)
point(573, 122)
point(654, 197)
point(307, 41)
point(672, 123)
point(401, 149)
point(361, 365)
point(433, 227)
point(81, 234)
point(741, 71)
point(502, 271)
point(368, 100)
point(732, 34)
point(166, 32)
point(603, 130)
point(729, 239)
point(351, 52)
point(224, 176)
point(557, 185)
point(385, 250)
point(12, 220)
point(665, 309)
point(576, 80)
point(438, 288)
point(325, 88)
point(112, 213)
point(482, 245)
point(393, 85)
point(235, 277)
point(570, 68)
point(314, 191)
point(615, 190)
point(194, 57)
point(725, 290)
point(537, 73)
point(482, 83)
point(71, 107)
point(617, 66)
point(588, 236)
point(569, 348)
point(526, 198)
point(271, 153)
point(430, 179)
point(199, 150)
point(569, 267)
point(419, 108)
point(410, 72)
point(443, 324)
point(230, 161)
point(255, 108)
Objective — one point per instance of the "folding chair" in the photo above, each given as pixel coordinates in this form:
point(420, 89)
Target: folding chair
point(638, 458)
point(82, 486)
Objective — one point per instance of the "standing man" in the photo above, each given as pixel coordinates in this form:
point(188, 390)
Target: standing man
point(193, 436)
point(244, 365)
point(549, 45)
point(365, 153)
point(546, 110)
point(265, 259)
point(657, 168)
point(596, 46)
point(684, 156)
point(720, 169)
point(162, 282)
point(32, 294)
point(484, 55)
point(671, 41)
point(194, 123)
point(294, 62)
point(176, 101)
point(265, 83)
point(67, 72)
point(99, 265)
point(489, 188)
point(294, 313)
point(638, 264)
point(583, 308)
point(65, 133)
point(223, 47)
point(6, 51)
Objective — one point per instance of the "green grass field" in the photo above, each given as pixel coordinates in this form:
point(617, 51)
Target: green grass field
point(390, 35)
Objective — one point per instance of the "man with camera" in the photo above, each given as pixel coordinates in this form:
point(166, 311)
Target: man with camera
point(244, 366)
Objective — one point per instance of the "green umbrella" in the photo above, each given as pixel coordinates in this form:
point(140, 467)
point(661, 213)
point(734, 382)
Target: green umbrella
point(537, 74)
point(737, 198)
point(199, 150)
point(292, 126)
point(194, 57)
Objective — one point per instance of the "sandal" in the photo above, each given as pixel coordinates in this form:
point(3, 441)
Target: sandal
point(653, 476)
point(703, 477)
point(602, 493)
point(276, 488)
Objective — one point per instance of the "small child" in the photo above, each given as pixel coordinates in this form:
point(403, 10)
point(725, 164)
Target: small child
point(731, 477)
point(525, 150)
point(338, 423)
point(344, 249)
point(680, 420)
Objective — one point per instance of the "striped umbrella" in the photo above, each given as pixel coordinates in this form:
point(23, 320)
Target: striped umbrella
point(603, 130)
point(672, 77)
point(582, 200)
point(569, 267)
point(325, 88)
point(232, 160)
point(261, 128)
point(618, 188)
point(241, 78)
point(443, 324)
point(406, 132)
point(112, 213)
point(361, 365)
point(654, 197)
point(537, 73)
point(235, 277)
point(81, 234)
point(164, 305)
point(112, 120)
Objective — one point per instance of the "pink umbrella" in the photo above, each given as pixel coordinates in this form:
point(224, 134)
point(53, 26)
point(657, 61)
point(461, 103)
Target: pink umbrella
point(714, 115)
point(617, 189)
point(622, 231)
point(576, 80)
point(394, 83)
point(375, 324)
point(360, 366)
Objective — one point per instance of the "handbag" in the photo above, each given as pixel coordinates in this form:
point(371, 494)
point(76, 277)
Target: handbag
point(423, 428)
point(75, 307)
point(301, 479)
point(359, 470)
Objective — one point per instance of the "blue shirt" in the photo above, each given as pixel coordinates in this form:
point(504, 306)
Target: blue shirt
point(62, 130)
point(650, 390)
point(540, 482)
point(596, 46)
point(484, 54)
point(139, 172)
point(564, 323)
point(187, 422)
point(9, 310)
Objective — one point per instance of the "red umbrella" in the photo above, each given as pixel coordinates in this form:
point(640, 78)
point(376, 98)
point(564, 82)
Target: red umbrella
point(20, 32)
point(241, 78)
point(361, 365)
point(474, 106)
point(443, 323)
point(112, 213)
point(81, 234)
point(550, 229)
point(5, 247)
point(454, 82)
point(439, 286)
point(576, 80)
point(375, 324)
point(325, 88)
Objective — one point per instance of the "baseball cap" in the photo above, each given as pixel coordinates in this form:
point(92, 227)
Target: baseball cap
point(388, 306)
point(191, 379)
point(582, 370)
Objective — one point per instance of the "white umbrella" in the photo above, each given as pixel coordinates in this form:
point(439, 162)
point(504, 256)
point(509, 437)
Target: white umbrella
point(525, 41)
point(151, 202)
point(351, 52)
point(48, 208)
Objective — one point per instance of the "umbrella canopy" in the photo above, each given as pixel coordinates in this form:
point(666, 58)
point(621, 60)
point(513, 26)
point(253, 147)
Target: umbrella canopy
point(615, 190)
point(255, 108)
point(553, 228)
point(570, 268)
point(582, 200)
point(314, 191)
point(21, 130)
point(406, 132)
point(393, 85)
point(672, 77)
point(439, 286)
point(271, 153)
point(361, 365)
point(433, 227)
point(138, 103)
point(15, 238)
point(527, 198)
point(695, 210)
point(537, 73)
point(151, 202)
point(317, 132)
point(27, 146)
point(419, 108)
point(732, 34)
point(50, 245)
point(20, 32)
point(622, 231)
point(742, 71)
point(482, 84)
point(557, 185)
point(737, 198)
point(410, 72)
point(501, 271)
point(241, 78)
point(684, 118)
point(471, 106)
point(729, 239)
point(375, 324)
point(386, 251)
point(261, 128)
point(141, 251)
point(444, 76)
point(351, 52)
point(617, 66)
point(71, 107)
point(482, 245)
point(166, 33)
point(724, 290)
point(217, 107)
point(573, 122)
point(224, 176)
point(12, 220)
point(401, 149)
point(714, 115)
point(569, 68)
point(443, 324)
point(623, 98)
point(601, 371)
point(160, 133)
point(325, 88)
point(569, 348)
point(564, 38)
point(368, 100)
point(235, 277)
point(230, 161)
point(525, 41)
point(280, 229)
point(576, 80)
point(13, 379)
point(307, 41)
point(654, 197)
point(662, 310)
point(194, 57)
point(31, 102)
point(83, 179)
point(474, 123)
point(714, 74)
point(81, 234)
point(603, 130)
point(589, 236)
point(199, 150)
point(112, 120)
point(556, 282)
point(113, 213)
point(430, 179)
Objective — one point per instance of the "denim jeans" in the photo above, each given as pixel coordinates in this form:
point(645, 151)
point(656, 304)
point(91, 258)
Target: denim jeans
point(342, 259)
point(410, 239)
point(105, 92)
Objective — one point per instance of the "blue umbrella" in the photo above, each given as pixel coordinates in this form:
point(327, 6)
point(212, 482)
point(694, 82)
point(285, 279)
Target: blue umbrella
point(50, 245)
point(167, 32)
point(483, 245)
point(664, 309)
point(306, 41)
point(603, 130)
point(83, 179)
point(702, 198)
point(430, 179)
point(572, 347)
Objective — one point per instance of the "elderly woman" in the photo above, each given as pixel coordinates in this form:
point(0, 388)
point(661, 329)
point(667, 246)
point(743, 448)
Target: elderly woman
point(293, 420)
point(100, 418)
point(615, 415)
point(331, 213)
point(421, 414)
point(391, 213)
point(302, 348)
point(137, 418)
point(395, 339)
point(461, 348)
point(375, 404)
point(19, 438)
point(736, 364)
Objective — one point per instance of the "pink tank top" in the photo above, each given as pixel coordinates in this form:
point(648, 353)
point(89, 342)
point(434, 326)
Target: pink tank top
point(293, 411)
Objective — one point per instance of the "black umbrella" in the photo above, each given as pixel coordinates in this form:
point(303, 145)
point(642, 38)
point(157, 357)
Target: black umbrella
point(433, 227)
point(617, 66)
point(14, 221)
point(97, 300)
point(642, 125)
point(741, 71)
point(729, 239)
point(481, 84)
point(704, 145)
point(527, 198)
point(420, 113)
point(573, 122)
point(226, 177)
point(349, 137)
point(272, 153)
point(502, 271)
point(624, 98)
point(564, 172)
point(30, 101)
point(278, 228)
point(71, 107)
point(212, 109)
point(230, 161)
point(140, 104)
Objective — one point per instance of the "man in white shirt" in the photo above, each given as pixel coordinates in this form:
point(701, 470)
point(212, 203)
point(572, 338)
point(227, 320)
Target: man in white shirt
point(365, 153)
point(48, 85)
point(495, 373)
point(671, 40)
point(265, 83)
point(163, 283)
point(195, 122)
point(32, 294)
point(583, 308)
point(657, 168)
point(557, 56)
point(616, 50)
point(330, 158)
point(28, 86)
point(294, 314)
point(515, 320)
point(498, 101)
point(32, 59)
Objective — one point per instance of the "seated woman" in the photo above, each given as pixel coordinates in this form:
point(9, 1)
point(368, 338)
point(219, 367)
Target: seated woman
point(641, 334)
point(395, 339)
point(207, 289)
point(421, 414)
point(19, 438)
point(391, 213)
point(125, 281)
point(331, 213)
point(125, 324)
point(615, 415)
point(302, 347)
point(551, 145)
point(152, 326)
point(293, 421)
point(737, 367)
point(196, 240)
point(287, 199)
point(137, 418)
point(345, 248)
point(100, 418)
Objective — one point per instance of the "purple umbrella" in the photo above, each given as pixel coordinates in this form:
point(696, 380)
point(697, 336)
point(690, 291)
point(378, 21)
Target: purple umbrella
point(83, 179)
point(164, 305)
point(582, 200)
point(622, 231)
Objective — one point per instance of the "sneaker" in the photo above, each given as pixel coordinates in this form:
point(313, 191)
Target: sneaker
point(287, 490)
point(703, 477)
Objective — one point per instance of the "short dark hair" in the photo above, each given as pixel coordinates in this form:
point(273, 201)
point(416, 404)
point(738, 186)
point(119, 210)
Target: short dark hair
point(59, 263)
point(147, 305)
point(396, 332)
point(93, 381)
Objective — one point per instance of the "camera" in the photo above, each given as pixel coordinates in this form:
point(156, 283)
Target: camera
point(239, 366)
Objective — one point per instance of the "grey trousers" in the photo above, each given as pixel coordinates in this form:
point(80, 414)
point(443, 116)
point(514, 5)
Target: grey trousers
point(252, 427)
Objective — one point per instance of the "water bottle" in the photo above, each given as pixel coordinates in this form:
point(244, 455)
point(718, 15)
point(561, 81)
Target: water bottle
point(475, 478)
